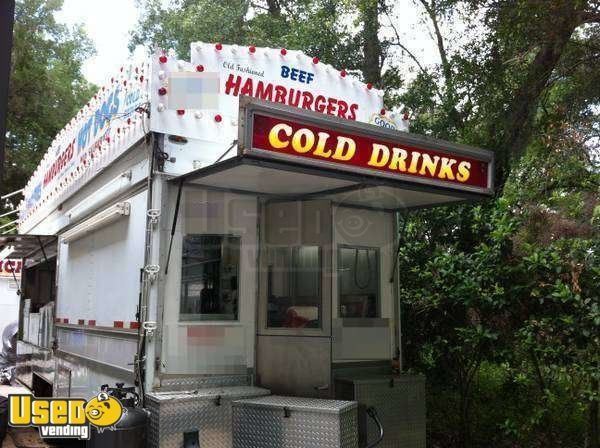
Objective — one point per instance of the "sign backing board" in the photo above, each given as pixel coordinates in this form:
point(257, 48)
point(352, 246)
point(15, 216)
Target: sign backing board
point(109, 124)
point(279, 132)
point(281, 76)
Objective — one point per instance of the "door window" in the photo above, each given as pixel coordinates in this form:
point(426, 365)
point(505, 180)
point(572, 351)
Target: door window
point(358, 281)
point(294, 287)
point(210, 277)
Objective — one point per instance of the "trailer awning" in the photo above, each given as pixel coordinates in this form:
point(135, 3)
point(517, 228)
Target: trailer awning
point(280, 179)
point(293, 154)
point(22, 246)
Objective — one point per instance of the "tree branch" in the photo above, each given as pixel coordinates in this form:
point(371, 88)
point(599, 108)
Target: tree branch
point(399, 44)
point(446, 68)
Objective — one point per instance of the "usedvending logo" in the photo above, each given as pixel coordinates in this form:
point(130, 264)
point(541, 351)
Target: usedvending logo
point(65, 417)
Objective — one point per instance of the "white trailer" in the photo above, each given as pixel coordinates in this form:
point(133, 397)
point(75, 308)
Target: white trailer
point(227, 228)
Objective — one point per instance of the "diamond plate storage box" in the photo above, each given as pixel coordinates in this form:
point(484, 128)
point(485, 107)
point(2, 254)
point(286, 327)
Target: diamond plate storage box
point(290, 422)
point(207, 411)
point(400, 404)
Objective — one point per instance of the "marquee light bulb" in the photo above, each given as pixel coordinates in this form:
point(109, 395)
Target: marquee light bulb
point(283, 52)
point(315, 60)
point(162, 59)
point(369, 86)
point(252, 49)
point(343, 73)
point(198, 114)
point(218, 118)
point(162, 91)
point(219, 46)
point(162, 75)
point(160, 107)
point(180, 112)
point(200, 68)
point(382, 112)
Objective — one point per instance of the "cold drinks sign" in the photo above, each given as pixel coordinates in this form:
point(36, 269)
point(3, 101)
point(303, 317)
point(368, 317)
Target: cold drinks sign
point(358, 150)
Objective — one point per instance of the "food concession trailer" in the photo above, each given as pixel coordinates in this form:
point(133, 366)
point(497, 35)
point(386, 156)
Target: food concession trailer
point(222, 235)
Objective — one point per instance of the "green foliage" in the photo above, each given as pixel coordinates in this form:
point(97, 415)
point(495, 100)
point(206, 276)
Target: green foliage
point(46, 85)
point(315, 26)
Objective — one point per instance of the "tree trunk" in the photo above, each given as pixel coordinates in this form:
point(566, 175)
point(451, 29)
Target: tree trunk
point(372, 52)
point(521, 111)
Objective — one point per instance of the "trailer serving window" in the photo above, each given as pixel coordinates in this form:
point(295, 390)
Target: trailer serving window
point(358, 281)
point(294, 287)
point(210, 277)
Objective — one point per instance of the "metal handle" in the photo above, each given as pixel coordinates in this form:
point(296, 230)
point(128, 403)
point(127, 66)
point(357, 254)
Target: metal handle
point(372, 412)
point(322, 387)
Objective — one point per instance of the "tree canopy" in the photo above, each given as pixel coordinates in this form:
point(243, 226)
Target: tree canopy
point(46, 85)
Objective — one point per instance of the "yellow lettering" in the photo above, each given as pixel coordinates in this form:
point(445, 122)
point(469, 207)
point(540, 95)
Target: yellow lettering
point(446, 168)
point(309, 140)
point(429, 165)
point(379, 155)
point(414, 162)
point(464, 171)
point(274, 139)
point(41, 412)
point(59, 412)
point(323, 136)
point(398, 161)
point(76, 412)
point(344, 144)
point(20, 409)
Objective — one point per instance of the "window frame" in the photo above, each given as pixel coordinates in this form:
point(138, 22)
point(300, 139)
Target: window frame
point(183, 318)
point(377, 250)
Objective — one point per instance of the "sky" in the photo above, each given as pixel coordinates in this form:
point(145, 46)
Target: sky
point(108, 23)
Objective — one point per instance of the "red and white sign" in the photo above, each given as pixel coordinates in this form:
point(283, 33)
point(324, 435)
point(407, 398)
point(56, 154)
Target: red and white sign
point(278, 75)
point(9, 267)
point(353, 150)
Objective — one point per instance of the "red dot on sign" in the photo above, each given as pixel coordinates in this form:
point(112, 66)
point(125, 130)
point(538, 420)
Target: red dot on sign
point(283, 52)
point(163, 59)
point(252, 49)
point(218, 118)
point(382, 112)
point(343, 73)
point(219, 46)
point(199, 68)
point(405, 116)
point(315, 60)
point(180, 111)
point(369, 86)
point(162, 91)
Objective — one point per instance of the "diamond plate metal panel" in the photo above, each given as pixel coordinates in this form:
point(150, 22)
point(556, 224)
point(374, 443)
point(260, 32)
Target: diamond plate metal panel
point(286, 422)
point(205, 410)
point(200, 382)
point(400, 404)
